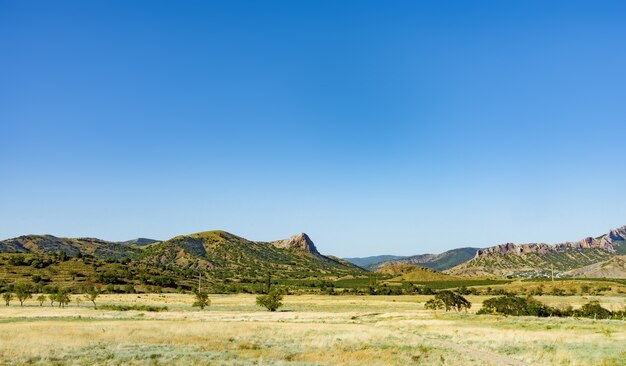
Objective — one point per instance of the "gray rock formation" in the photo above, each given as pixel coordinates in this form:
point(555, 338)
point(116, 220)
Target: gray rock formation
point(299, 242)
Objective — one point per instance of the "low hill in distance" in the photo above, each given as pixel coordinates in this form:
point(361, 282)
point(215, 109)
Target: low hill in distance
point(439, 262)
point(139, 242)
point(413, 273)
point(366, 262)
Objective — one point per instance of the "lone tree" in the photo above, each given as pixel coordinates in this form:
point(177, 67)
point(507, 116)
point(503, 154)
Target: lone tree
point(450, 301)
point(23, 292)
point(202, 299)
point(271, 301)
point(52, 297)
point(92, 294)
point(7, 297)
point(41, 299)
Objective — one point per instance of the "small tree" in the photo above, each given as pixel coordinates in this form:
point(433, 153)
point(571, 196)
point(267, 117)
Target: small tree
point(52, 297)
point(271, 301)
point(92, 295)
point(23, 292)
point(41, 298)
point(202, 299)
point(62, 297)
point(7, 297)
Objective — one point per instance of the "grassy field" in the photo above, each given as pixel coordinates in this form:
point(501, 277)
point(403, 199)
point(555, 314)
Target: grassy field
point(309, 330)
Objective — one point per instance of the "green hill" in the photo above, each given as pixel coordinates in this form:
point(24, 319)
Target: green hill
point(224, 255)
point(414, 273)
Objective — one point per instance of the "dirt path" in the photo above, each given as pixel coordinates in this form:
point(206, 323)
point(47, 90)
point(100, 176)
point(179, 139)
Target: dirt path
point(494, 358)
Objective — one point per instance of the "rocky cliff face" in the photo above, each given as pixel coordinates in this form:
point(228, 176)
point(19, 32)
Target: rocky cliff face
point(299, 242)
point(614, 235)
point(605, 242)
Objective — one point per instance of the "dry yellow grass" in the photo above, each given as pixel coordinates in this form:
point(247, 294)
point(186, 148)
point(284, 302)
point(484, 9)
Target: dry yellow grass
point(324, 330)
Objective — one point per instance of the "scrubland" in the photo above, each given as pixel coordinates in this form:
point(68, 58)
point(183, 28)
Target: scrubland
point(308, 330)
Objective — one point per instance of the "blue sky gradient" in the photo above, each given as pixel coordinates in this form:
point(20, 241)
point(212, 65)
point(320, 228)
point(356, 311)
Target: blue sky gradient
point(376, 128)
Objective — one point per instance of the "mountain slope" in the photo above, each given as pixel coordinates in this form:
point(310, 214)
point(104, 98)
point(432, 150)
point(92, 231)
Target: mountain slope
point(612, 268)
point(438, 262)
point(539, 259)
point(364, 262)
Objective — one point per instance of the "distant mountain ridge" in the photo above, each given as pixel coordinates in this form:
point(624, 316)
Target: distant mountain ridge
point(139, 241)
point(438, 262)
point(365, 262)
point(540, 259)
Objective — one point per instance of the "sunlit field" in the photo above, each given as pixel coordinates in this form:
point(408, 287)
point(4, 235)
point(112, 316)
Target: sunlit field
point(308, 330)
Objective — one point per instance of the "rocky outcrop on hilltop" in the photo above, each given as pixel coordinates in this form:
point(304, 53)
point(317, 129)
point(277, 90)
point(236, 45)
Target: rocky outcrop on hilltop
point(614, 235)
point(299, 242)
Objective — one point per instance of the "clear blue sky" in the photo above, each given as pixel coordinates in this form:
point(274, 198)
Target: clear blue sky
point(375, 127)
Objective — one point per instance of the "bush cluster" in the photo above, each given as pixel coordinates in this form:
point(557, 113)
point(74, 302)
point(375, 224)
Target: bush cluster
point(528, 306)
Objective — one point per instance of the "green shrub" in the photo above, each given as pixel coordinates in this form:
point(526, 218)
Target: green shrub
point(593, 310)
point(271, 301)
point(516, 305)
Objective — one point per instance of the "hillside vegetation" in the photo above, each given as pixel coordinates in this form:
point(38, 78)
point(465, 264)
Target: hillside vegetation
point(413, 273)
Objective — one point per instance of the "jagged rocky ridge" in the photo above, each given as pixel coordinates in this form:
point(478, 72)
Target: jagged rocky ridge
point(606, 242)
point(540, 259)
